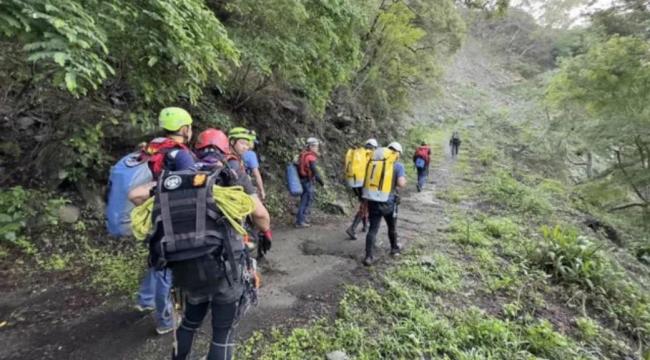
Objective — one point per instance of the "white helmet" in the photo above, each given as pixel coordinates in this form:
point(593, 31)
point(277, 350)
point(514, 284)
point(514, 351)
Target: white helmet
point(395, 146)
point(312, 141)
point(372, 142)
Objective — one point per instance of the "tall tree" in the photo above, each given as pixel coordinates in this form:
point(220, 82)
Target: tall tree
point(611, 85)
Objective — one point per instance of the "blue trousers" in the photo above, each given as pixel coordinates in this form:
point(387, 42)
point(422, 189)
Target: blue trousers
point(306, 199)
point(422, 176)
point(154, 291)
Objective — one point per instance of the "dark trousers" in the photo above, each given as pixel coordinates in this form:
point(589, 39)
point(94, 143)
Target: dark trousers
point(422, 176)
point(377, 211)
point(454, 149)
point(223, 321)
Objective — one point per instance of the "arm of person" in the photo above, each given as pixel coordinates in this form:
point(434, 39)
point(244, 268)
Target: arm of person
point(260, 215)
point(401, 175)
point(401, 182)
point(141, 193)
point(316, 173)
point(258, 182)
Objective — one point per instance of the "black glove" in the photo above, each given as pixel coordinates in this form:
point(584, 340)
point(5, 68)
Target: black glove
point(265, 238)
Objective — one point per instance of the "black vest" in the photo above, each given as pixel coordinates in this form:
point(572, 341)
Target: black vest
point(188, 224)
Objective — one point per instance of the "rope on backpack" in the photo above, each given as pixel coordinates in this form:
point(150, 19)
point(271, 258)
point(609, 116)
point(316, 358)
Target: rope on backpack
point(235, 205)
point(233, 202)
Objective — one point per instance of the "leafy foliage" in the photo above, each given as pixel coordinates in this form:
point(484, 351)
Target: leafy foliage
point(397, 320)
point(611, 83)
point(505, 190)
point(23, 213)
point(403, 47)
point(163, 48)
point(313, 46)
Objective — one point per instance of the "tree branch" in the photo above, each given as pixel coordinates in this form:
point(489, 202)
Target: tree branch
point(627, 206)
point(627, 176)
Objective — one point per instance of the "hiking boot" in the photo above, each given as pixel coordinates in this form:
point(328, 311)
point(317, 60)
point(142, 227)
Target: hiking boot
point(351, 233)
point(368, 261)
point(418, 187)
point(302, 226)
point(162, 330)
point(396, 251)
point(144, 308)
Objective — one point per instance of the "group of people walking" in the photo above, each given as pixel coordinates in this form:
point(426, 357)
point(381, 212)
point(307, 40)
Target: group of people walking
point(194, 198)
point(198, 204)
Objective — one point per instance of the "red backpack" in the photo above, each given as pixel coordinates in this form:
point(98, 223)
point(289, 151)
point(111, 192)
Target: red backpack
point(156, 151)
point(423, 152)
point(306, 157)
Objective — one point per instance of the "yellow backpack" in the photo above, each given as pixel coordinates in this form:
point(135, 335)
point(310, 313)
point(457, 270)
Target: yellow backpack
point(356, 161)
point(379, 175)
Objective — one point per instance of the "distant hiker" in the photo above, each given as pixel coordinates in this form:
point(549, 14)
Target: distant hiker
point(384, 178)
point(356, 163)
point(165, 153)
point(197, 233)
point(421, 159)
point(309, 175)
point(454, 143)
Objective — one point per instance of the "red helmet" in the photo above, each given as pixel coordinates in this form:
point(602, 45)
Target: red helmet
point(213, 137)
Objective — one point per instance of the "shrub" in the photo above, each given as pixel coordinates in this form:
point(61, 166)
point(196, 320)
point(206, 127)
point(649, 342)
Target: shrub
point(501, 188)
point(569, 257)
point(24, 213)
point(501, 227)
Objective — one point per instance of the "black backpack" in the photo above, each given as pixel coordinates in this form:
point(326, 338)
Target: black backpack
point(191, 236)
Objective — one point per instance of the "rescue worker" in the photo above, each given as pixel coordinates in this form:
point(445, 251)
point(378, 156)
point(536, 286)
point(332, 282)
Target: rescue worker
point(242, 142)
point(227, 298)
point(309, 175)
point(171, 153)
point(386, 210)
point(362, 214)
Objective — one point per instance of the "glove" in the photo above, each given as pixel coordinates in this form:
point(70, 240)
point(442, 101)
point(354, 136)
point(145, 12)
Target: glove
point(265, 238)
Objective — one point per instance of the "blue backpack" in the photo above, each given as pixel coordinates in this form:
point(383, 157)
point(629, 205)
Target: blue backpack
point(129, 172)
point(293, 180)
point(420, 163)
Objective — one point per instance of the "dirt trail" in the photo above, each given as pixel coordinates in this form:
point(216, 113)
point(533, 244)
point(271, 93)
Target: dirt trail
point(303, 280)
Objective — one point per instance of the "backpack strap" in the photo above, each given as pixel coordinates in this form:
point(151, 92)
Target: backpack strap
point(383, 174)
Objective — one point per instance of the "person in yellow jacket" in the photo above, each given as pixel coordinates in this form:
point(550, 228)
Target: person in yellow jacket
point(383, 202)
point(362, 214)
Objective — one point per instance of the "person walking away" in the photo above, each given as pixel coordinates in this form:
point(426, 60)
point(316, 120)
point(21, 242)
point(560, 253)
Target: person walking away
point(214, 272)
point(385, 177)
point(242, 141)
point(251, 161)
point(355, 168)
point(213, 150)
point(454, 143)
point(165, 153)
point(309, 175)
point(421, 159)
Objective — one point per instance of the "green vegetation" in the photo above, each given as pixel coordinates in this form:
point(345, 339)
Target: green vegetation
point(398, 320)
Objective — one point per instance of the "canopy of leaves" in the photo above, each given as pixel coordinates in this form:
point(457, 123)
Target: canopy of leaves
point(626, 17)
point(610, 85)
point(162, 48)
point(312, 46)
point(403, 51)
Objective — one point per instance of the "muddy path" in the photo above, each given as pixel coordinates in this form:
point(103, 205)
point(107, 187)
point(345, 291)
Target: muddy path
point(303, 280)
